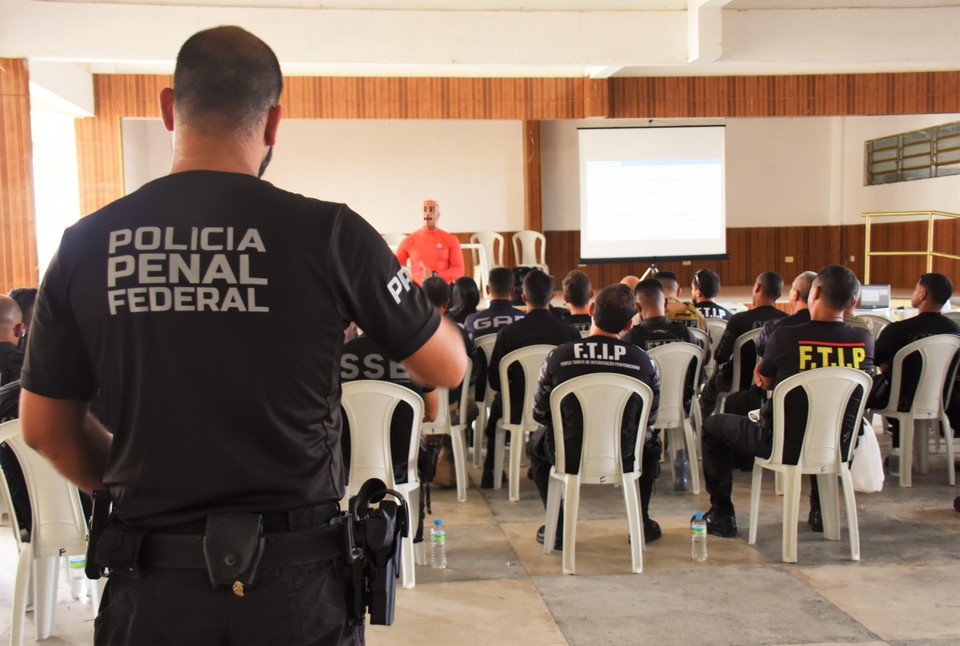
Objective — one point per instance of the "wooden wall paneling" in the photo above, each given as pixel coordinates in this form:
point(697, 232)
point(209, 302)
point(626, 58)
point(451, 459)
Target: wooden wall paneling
point(18, 262)
point(99, 161)
point(532, 199)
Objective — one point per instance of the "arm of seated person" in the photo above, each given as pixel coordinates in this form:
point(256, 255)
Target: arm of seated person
point(431, 404)
point(64, 432)
point(442, 360)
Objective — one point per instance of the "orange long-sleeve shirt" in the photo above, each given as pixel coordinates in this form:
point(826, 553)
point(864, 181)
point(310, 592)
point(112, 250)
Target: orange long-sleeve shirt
point(436, 250)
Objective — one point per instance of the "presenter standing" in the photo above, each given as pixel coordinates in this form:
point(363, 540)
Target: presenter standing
point(431, 249)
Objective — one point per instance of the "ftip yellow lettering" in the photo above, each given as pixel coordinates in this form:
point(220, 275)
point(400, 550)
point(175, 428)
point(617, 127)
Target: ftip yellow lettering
point(859, 354)
point(806, 355)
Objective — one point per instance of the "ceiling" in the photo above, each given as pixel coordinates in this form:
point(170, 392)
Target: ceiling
point(498, 38)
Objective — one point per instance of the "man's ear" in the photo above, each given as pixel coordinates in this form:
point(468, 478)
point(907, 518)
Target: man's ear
point(18, 330)
point(627, 327)
point(166, 108)
point(591, 308)
point(273, 123)
point(565, 299)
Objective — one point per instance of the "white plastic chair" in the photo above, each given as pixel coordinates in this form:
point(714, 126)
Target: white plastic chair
point(530, 359)
point(937, 353)
point(485, 344)
point(369, 407)
point(673, 362)
point(875, 322)
point(59, 529)
point(525, 249)
point(742, 340)
point(444, 424)
point(493, 244)
point(602, 398)
point(828, 392)
point(715, 328)
point(953, 315)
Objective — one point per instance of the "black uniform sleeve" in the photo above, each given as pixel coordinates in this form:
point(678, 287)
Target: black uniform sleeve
point(387, 306)
point(57, 365)
point(493, 370)
point(545, 384)
point(724, 350)
point(886, 345)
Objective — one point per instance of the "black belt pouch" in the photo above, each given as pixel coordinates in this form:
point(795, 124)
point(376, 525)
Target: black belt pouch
point(232, 547)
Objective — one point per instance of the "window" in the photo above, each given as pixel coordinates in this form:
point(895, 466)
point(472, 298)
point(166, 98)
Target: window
point(919, 154)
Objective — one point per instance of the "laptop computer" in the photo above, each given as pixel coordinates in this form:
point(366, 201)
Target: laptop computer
point(874, 297)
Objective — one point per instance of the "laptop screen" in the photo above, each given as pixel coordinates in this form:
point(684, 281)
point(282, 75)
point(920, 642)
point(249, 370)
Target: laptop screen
point(874, 297)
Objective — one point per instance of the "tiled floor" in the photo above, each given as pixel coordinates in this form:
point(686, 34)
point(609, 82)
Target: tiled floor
point(500, 588)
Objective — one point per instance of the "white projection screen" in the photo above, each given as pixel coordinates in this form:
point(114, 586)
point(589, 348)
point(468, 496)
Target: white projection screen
point(652, 193)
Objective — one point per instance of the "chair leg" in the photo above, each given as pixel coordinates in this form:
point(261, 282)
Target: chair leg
point(21, 590)
point(408, 571)
point(516, 455)
point(499, 442)
point(948, 440)
point(906, 450)
point(791, 513)
point(921, 444)
point(850, 503)
point(571, 508)
point(555, 490)
point(693, 453)
point(829, 506)
point(459, 461)
point(755, 502)
point(631, 499)
point(45, 589)
point(479, 427)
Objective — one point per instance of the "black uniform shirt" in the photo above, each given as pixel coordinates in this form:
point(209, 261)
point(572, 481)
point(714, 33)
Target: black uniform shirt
point(582, 322)
point(738, 324)
point(803, 316)
point(711, 310)
point(658, 330)
point(585, 357)
point(209, 307)
point(807, 346)
point(898, 334)
point(11, 362)
point(499, 315)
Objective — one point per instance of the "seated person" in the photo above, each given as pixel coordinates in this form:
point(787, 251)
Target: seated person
point(705, 288)
point(577, 293)
point(500, 313)
point(602, 351)
point(929, 296)
point(655, 328)
point(438, 293)
point(26, 298)
point(539, 326)
point(823, 341)
point(464, 299)
point(677, 310)
point(766, 291)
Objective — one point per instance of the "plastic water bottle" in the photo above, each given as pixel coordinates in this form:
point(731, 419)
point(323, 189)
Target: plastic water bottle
point(698, 538)
point(78, 579)
point(680, 471)
point(438, 545)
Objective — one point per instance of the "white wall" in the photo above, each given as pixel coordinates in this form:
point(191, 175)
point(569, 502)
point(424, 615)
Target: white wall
point(382, 169)
point(780, 171)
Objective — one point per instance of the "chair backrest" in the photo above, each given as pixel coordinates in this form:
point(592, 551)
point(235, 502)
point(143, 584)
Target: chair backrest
point(58, 523)
point(715, 328)
point(602, 397)
point(531, 360)
point(525, 248)
point(369, 407)
point(673, 363)
point(393, 240)
point(493, 243)
point(485, 343)
point(954, 315)
point(741, 371)
point(875, 323)
point(937, 353)
point(828, 392)
point(702, 337)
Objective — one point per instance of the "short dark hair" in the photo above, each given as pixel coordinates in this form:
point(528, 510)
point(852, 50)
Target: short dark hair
point(613, 308)
point(938, 286)
point(668, 277)
point(225, 79)
point(649, 291)
point(502, 282)
point(25, 297)
point(576, 287)
point(838, 285)
point(437, 290)
point(538, 288)
point(771, 284)
point(708, 282)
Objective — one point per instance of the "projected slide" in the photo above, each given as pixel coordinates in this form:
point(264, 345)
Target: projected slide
point(652, 192)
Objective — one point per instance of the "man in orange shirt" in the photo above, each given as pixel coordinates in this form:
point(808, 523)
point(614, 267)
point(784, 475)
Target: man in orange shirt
point(431, 249)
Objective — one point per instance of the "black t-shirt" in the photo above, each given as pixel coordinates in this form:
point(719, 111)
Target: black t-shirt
point(803, 316)
point(741, 323)
point(807, 346)
point(586, 357)
point(209, 308)
point(658, 330)
point(499, 315)
point(580, 322)
point(11, 362)
point(711, 310)
point(896, 335)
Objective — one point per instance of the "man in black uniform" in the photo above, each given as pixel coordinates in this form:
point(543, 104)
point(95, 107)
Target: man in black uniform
point(766, 291)
point(577, 292)
point(11, 361)
point(655, 328)
point(539, 326)
point(704, 288)
point(744, 401)
point(929, 296)
point(156, 299)
point(602, 351)
point(823, 341)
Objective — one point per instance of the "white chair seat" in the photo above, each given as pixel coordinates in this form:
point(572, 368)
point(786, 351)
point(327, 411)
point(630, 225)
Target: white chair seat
point(602, 398)
point(828, 392)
